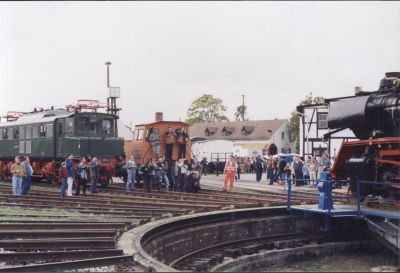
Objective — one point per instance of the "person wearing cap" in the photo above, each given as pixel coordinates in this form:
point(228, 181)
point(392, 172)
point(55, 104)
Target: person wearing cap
point(27, 178)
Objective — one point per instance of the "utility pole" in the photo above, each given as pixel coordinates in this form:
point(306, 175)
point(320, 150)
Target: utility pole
point(113, 94)
point(108, 73)
point(243, 107)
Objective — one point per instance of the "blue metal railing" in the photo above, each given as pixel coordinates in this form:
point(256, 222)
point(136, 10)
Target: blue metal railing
point(329, 198)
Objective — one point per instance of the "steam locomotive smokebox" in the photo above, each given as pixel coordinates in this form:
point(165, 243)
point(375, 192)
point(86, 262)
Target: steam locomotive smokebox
point(346, 113)
point(159, 116)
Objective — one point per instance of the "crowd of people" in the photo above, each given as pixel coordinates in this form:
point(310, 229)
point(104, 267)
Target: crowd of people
point(279, 169)
point(160, 173)
point(157, 173)
point(88, 169)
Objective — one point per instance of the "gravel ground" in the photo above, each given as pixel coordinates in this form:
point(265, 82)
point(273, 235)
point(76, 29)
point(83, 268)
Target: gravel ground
point(361, 262)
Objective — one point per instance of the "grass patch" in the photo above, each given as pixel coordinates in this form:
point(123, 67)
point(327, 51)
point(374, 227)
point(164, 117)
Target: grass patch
point(10, 213)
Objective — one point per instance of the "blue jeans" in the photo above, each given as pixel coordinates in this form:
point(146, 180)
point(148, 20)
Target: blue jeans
point(63, 187)
point(130, 183)
point(175, 183)
point(26, 184)
point(93, 182)
point(16, 185)
point(166, 182)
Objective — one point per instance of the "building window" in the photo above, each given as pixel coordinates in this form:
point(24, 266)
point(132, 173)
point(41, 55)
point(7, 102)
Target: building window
point(322, 121)
point(282, 135)
point(226, 131)
point(210, 131)
point(247, 130)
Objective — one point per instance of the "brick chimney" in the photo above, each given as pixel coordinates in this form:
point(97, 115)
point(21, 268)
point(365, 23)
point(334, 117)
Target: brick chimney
point(159, 116)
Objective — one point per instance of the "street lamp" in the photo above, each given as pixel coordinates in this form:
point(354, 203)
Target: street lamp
point(307, 120)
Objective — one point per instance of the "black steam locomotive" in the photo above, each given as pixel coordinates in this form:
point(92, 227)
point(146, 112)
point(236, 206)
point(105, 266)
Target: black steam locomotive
point(374, 117)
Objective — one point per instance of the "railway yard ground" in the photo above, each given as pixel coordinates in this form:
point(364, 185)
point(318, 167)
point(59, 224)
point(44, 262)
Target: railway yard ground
point(96, 232)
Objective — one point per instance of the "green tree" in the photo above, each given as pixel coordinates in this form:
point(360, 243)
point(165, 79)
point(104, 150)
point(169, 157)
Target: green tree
point(241, 112)
point(206, 108)
point(294, 121)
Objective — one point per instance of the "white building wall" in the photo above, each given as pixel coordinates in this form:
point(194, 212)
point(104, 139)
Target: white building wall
point(202, 149)
point(279, 142)
point(315, 135)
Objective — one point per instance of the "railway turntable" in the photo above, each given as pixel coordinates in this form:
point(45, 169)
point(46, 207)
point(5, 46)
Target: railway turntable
point(382, 217)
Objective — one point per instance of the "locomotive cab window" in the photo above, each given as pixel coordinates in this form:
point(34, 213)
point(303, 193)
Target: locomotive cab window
point(4, 133)
point(69, 125)
point(82, 125)
point(59, 129)
point(49, 130)
point(138, 135)
point(21, 132)
point(16, 133)
point(93, 126)
point(42, 130)
point(28, 132)
point(106, 126)
point(35, 131)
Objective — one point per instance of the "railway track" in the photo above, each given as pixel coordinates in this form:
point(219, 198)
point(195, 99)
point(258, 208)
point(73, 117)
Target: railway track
point(55, 243)
point(209, 240)
point(34, 247)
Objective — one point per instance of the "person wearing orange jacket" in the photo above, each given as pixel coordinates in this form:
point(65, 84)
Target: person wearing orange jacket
point(230, 172)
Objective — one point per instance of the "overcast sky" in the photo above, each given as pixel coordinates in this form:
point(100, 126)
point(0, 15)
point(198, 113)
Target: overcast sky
point(165, 54)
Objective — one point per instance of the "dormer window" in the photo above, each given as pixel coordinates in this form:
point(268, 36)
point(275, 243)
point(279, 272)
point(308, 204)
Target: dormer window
point(226, 131)
point(247, 130)
point(210, 131)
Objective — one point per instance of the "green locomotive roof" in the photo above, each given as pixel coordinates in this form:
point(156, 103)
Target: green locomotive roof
point(38, 117)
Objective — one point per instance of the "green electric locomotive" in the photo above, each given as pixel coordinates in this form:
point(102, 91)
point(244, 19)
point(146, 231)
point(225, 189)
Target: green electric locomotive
point(48, 136)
